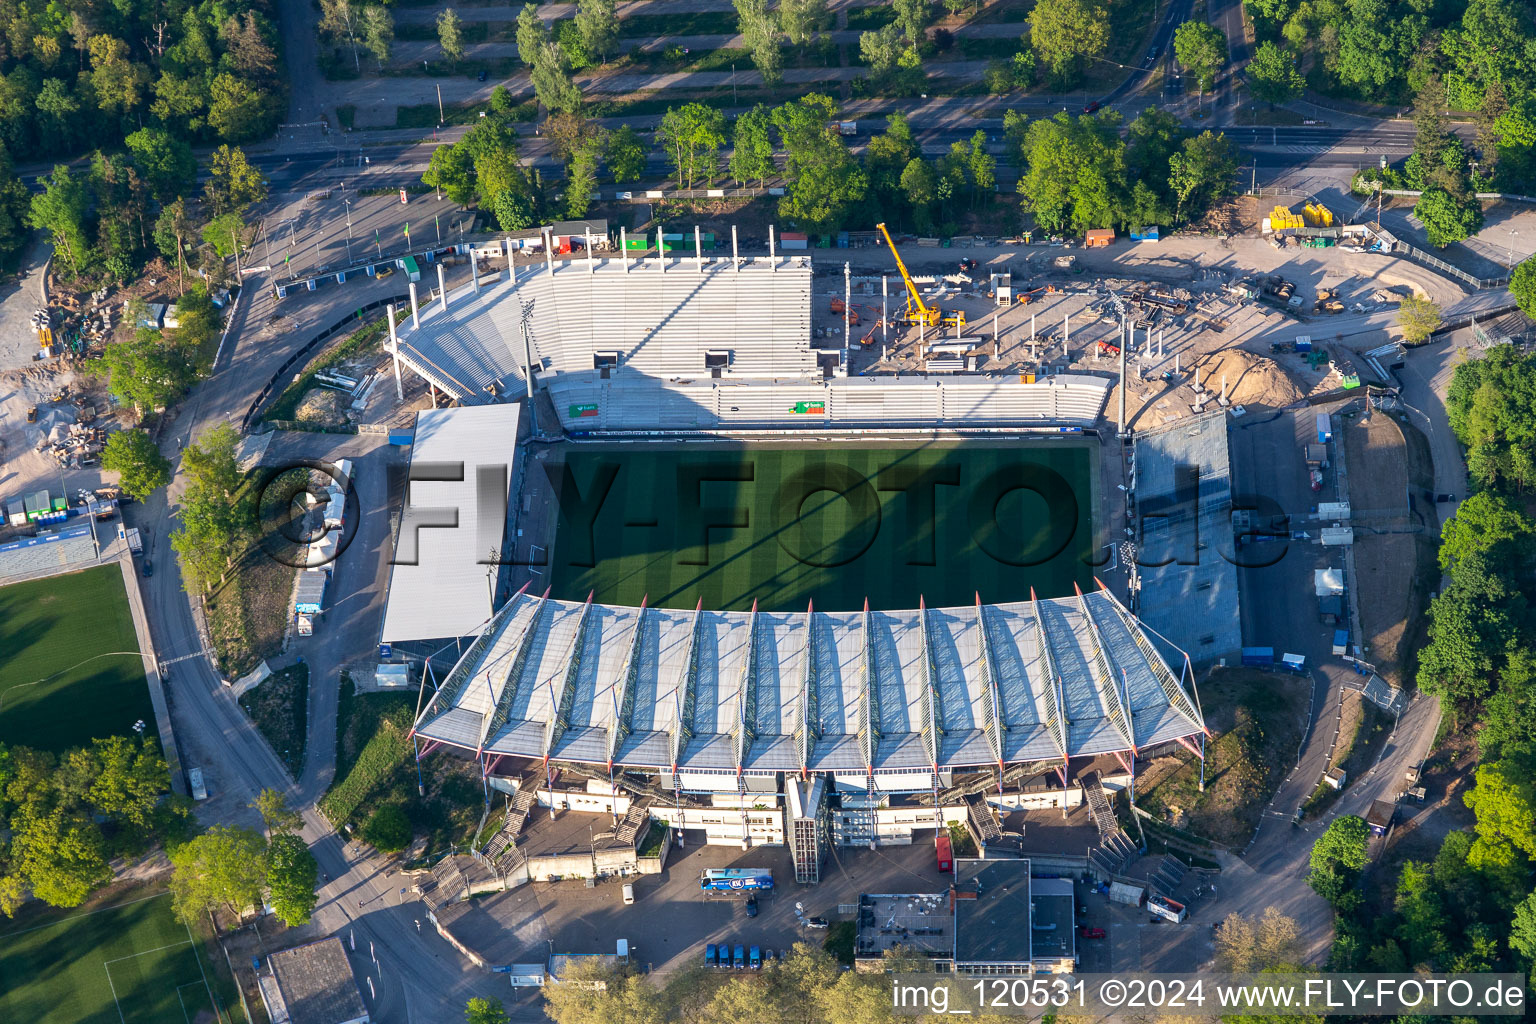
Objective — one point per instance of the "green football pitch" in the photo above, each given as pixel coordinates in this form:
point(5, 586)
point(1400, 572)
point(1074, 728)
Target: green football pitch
point(71, 670)
point(128, 964)
point(730, 523)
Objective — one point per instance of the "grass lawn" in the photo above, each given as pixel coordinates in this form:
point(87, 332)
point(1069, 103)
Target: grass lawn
point(784, 525)
point(375, 766)
point(1257, 719)
point(279, 706)
point(71, 671)
point(133, 963)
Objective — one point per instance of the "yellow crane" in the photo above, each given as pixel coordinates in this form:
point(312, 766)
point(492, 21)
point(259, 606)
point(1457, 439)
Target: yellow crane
point(918, 311)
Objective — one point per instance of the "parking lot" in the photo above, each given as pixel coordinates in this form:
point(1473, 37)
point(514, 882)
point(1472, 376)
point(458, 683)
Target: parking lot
point(672, 918)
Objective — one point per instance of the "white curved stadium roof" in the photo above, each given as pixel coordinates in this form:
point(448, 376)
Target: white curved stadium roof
point(816, 691)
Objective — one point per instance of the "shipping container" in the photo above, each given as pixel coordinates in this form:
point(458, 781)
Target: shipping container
point(1167, 909)
point(1259, 657)
point(1324, 428)
point(1340, 641)
point(1098, 238)
point(1296, 663)
point(1130, 895)
point(945, 858)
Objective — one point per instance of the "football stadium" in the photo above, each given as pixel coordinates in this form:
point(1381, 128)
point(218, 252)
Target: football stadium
point(744, 592)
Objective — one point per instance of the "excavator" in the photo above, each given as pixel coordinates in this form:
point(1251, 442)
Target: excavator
point(918, 311)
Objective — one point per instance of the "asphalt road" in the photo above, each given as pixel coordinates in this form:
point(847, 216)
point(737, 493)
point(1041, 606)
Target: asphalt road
point(424, 979)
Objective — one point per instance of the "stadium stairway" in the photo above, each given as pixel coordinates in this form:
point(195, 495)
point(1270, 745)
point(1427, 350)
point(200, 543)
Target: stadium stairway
point(982, 822)
point(447, 884)
point(1167, 875)
point(1115, 851)
point(638, 814)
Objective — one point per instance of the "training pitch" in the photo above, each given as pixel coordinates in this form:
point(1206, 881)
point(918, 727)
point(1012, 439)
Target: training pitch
point(71, 671)
point(835, 523)
point(129, 964)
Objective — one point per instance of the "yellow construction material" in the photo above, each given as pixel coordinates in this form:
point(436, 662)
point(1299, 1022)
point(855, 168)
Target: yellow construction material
point(917, 310)
point(1282, 219)
point(1318, 216)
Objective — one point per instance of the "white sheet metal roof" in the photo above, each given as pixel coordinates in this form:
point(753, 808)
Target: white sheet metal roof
point(444, 594)
point(744, 711)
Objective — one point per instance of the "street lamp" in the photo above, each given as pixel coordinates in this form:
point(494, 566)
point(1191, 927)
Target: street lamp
point(348, 204)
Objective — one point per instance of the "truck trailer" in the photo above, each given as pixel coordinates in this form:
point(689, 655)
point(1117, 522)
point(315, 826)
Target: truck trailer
point(1167, 909)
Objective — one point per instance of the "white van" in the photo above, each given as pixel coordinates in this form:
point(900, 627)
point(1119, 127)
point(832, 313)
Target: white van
point(629, 894)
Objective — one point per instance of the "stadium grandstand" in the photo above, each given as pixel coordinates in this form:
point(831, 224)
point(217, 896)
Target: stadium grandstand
point(692, 343)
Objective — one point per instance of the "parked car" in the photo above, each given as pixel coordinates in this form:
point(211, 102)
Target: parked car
point(739, 957)
point(724, 956)
point(149, 568)
point(481, 77)
point(709, 954)
point(755, 961)
point(816, 922)
point(751, 906)
point(1089, 932)
point(767, 956)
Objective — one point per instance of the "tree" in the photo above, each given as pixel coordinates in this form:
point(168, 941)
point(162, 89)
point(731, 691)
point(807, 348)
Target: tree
point(166, 161)
point(1248, 945)
point(378, 32)
point(1504, 801)
point(1419, 318)
point(15, 206)
point(1272, 74)
point(1522, 285)
point(133, 456)
point(225, 868)
point(233, 184)
point(912, 16)
point(1492, 408)
point(918, 183)
point(531, 34)
point(760, 32)
point(1200, 173)
point(60, 855)
point(1076, 177)
point(598, 22)
point(1201, 49)
point(552, 83)
point(450, 38)
point(213, 524)
point(148, 371)
point(223, 232)
point(692, 135)
point(881, 51)
point(61, 211)
point(752, 146)
point(291, 878)
point(273, 807)
point(593, 992)
point(1522, 932)
point(800, 19)
point(1448, 217)
point(388, 829)
point(982, 165)
point(1491, 526)
point(626, 155)
point(1340, 851)
point(452, 169)
point(1065, 33)
point(339, 20)
point(481, 1010)
point(581, 180)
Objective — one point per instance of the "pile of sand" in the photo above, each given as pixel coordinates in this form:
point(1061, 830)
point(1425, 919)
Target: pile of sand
point(323, 407)
point(1251, 380)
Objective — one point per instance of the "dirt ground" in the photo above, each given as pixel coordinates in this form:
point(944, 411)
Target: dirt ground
point(1256, 719)
point(1386, 538)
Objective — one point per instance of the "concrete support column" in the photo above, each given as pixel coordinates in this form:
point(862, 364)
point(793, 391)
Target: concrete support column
point(415, 309)
point(442, 284)
point(394, 351)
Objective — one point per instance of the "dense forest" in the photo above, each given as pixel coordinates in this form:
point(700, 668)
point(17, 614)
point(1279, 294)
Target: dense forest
point(79, 74)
